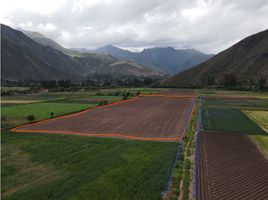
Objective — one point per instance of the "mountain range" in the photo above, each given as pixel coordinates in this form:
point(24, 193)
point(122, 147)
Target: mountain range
point(247, 60)
point(39, 58)
point(31, 56)
point(165, 59)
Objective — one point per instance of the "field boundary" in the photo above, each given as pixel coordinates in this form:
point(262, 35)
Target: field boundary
point(99, 134)
point(196, 171)
point(72, 114)
point(168, 96)
point(179, 147)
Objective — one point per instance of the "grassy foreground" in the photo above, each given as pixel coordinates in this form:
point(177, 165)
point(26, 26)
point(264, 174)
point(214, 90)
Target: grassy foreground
point(41, 166)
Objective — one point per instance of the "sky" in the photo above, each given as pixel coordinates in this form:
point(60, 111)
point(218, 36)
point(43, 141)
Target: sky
point(206, 25)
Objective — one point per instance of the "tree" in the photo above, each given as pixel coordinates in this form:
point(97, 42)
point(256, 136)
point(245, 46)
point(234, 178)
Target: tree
point(52, 114)
point(30, 118)
point(230, 80)
point(262, 84)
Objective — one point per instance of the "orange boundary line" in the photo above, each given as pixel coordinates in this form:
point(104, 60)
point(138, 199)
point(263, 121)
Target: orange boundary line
point(169, 96)
point(111, 135)
point(99, 135)
point(71, 115)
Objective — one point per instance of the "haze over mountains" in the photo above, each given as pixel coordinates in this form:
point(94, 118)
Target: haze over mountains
point(168, 60)
point(44, 59)
point(247, 60)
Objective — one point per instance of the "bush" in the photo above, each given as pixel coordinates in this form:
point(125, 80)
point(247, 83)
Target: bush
point(52, 114)
point(102, 103)
point(30, 118)
point(187, 164)
point(125, 97)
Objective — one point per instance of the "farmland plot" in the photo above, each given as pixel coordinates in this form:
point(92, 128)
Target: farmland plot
point(231, 167)
point(155, 118)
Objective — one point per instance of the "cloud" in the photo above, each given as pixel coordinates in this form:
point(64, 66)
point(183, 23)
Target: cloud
point(206, 25)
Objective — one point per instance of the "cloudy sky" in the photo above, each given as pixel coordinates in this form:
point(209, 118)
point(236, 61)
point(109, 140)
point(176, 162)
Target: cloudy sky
point(207, 25)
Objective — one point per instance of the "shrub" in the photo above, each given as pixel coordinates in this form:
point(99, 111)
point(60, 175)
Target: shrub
point(187, 164)
point(102, 103)
point(30, 118)
point(125, 97)
point(52, 114)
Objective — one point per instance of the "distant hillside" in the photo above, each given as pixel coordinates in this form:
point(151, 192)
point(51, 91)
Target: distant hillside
point(168, 60)
point(247, 60)
point(26, 59)
point(41, 39)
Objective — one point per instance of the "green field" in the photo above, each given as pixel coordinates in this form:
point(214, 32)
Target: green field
point(41, 166)
point(42, 110)
point(262, 142)
point(12, 115)
point(248, 104)
point(260, 117)
point(224, 119)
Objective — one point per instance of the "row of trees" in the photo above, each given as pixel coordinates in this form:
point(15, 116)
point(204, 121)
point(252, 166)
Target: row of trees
point(230, 81)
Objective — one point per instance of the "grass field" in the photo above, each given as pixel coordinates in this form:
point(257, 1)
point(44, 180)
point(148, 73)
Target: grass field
point(262, 142)
point(12, 115)
point(42, 110)
point(44, 166)
point(260, 117)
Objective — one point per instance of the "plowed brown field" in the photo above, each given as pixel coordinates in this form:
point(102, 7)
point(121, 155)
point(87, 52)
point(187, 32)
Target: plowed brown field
point(145, 118)
point(231, 167)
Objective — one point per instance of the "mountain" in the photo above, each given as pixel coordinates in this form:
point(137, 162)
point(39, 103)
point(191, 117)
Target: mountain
point(26, 59)
point(168, 60)
point(247, 60)
point(43, 40)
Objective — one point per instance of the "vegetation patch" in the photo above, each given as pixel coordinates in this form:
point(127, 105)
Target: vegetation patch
point(248, 104)
point(19, 173)
point(260, 117)
point(42, 110)
point(85, 167)
point(228, 120)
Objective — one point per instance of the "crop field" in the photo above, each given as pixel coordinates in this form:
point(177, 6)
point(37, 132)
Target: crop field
point(233, 147)
point(228, 94)
point(44, 166)
point(248, 104)
point(231, 168)
point(228, 120)
point(138, 118)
